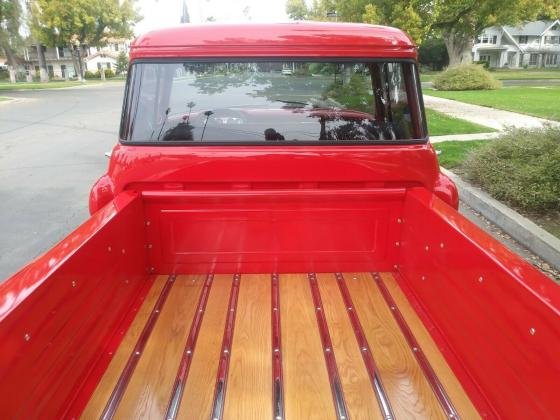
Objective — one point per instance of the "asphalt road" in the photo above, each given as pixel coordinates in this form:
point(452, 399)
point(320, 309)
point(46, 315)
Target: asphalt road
point(52, 145)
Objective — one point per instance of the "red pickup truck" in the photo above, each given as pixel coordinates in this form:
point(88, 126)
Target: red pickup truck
point(274, 239)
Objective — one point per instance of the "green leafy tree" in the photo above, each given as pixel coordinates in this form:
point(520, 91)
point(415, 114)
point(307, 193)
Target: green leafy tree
point(122, 62)
point(457, 22)
point(10, 39)
point(297, 9)
point(83, 22)
point(433, 54)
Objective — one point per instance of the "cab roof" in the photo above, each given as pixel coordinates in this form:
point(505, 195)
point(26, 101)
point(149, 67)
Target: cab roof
point(294, 39)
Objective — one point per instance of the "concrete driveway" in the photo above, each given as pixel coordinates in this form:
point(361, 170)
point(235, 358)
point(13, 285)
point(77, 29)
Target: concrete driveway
point(52, 145)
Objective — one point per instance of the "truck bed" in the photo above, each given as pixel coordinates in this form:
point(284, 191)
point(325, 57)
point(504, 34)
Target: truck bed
point(256, 346)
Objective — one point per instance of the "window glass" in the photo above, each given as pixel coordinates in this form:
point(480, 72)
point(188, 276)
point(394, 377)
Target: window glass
point(272, 101)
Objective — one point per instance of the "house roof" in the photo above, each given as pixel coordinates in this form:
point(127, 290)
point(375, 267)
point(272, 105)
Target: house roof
point(108, 54)
point(309, 39)
point(531, 28)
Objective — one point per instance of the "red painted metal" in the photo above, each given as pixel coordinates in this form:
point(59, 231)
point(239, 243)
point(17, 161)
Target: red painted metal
point(365, 350)
point(195, 168)
point(277, 231)
point(76, 403)
point(446, 190)
point(188, 209)
point(225, 353)
point(101, 193)
point(271, 167)
point(56, 308)
point(298, 39)
point(497, 314)
point(328, 351)
point(423, 362)
point(473, 390)
point(188, 354)
point(126, 374)
point(277, 376)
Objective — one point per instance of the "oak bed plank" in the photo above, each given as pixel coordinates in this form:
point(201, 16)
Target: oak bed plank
point(408, 390)
point(148, 392)
point(306, 383)
point(249, 386)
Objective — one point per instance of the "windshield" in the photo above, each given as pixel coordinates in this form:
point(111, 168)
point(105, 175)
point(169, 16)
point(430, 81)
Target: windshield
point(272, 101)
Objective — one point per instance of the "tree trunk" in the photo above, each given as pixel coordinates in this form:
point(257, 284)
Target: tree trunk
point(44, 74)
point(75, 62)
point(458, 48)
point(12, 63)
point(81, 65)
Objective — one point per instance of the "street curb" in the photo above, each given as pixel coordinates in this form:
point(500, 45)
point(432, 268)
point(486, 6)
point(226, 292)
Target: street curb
point(517, 226)
point(465, 137)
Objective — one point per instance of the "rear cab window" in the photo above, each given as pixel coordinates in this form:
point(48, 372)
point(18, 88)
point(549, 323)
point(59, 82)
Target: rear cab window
point(266, 102)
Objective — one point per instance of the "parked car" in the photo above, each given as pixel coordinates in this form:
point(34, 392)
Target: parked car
point(266, 247)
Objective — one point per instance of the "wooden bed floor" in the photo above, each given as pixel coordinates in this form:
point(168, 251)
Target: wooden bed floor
point(288, 346)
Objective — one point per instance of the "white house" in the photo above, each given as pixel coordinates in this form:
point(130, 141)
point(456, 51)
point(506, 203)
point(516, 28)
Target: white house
point(59, 60)
point(535, 44)
point(106, 57)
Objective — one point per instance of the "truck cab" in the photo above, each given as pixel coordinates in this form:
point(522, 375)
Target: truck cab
point(274, 244)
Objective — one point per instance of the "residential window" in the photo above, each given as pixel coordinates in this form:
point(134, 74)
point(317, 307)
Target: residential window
point(116, 47)
point(488, 39)
point(485, 58)
point(108, 66)
point(523, 39)
point(60, 52)
point(551, 59)
point(533, 59)
point(552, 40)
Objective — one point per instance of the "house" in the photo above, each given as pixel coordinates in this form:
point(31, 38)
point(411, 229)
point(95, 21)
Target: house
point(59, 59)
point(534, 44)
point(106, 57)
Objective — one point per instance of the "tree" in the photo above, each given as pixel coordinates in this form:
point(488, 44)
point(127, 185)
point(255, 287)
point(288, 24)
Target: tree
point(122, 62)
point(433, 54)
point(458, 22)
point(297, 9)
point(84, 23)
point(10, 39)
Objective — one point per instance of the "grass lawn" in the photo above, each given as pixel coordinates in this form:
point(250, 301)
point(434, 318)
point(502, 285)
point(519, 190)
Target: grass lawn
point(505, 74)
point(537, 101)
point(3, 98)
point(454, 153)
point(440, 125)
point(49, 85)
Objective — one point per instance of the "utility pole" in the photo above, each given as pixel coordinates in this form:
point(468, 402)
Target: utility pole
point(185, 18)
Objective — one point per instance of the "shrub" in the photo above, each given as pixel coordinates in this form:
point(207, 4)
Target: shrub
point(466, 77)
point(109, 73)
point(483, 63)
point(91, 75)
point(522, 168)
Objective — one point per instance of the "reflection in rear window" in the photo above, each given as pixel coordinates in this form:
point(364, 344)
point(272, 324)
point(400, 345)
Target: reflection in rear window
point(272, 102)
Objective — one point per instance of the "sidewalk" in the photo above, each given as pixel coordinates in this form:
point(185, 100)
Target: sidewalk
point(490, 117)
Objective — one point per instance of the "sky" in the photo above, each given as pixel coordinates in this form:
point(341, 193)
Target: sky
point(164, 13)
